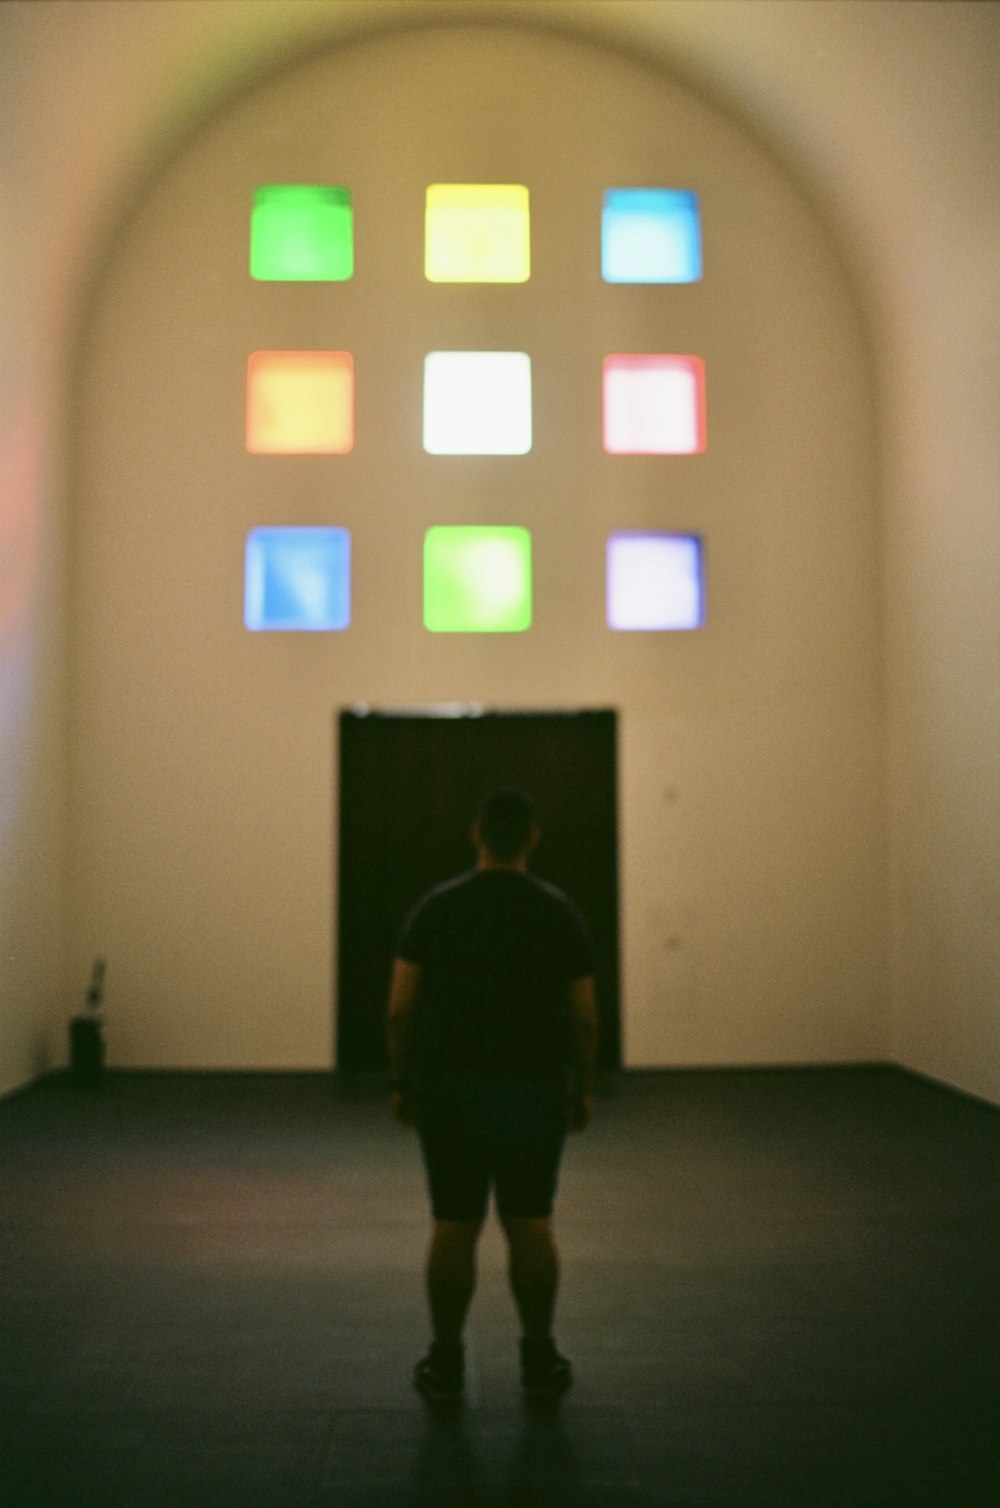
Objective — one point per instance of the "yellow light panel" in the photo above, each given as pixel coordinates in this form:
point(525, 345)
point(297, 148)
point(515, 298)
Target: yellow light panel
point(477, 233)
point(300, 403)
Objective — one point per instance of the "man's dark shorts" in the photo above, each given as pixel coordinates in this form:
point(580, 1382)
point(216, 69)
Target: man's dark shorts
point(506, 1134)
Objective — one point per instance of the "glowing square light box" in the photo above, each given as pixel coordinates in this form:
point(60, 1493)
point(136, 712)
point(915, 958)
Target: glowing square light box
point(477, 579)
point(300, 403)
point(477, 403)
point(297, 578)
point(655, 581)
point(477, 233)
point(650, 235)
point(654, 405)
point(302, 233)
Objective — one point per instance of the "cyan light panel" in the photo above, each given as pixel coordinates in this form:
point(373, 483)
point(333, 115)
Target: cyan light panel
point(477, 233)
point(654, 405)
point(655, 581)
point(302, 233)
point(477, 579)
point(300, 403)
point(477, 403)
point(298, 579)
point(650, 235)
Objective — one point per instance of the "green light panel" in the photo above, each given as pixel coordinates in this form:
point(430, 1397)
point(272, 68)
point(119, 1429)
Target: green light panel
point(302, 233)
point(477, 233)
point(477, 580)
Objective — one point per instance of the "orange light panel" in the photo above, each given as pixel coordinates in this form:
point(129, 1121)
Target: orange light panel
point(300, 403)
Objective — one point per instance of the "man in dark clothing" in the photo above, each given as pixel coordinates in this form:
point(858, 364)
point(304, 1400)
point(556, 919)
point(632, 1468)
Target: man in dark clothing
point(492, 1046)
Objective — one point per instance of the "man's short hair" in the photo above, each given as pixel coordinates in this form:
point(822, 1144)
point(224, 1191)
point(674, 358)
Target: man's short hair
point(506, 819)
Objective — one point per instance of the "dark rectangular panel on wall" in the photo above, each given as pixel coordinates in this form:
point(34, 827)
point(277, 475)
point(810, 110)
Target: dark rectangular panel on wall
point(410, 782)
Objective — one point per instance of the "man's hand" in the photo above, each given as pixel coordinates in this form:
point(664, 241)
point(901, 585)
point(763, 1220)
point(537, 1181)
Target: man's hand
point(404, 997)
point(404, 1108)
point(583, 1012)
point(579, 1111)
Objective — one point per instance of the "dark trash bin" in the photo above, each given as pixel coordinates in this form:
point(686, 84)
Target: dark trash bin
point(86, 1036)
point(86, 1051)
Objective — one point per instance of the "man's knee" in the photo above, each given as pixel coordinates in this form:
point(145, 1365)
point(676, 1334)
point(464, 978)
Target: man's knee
point(456, 1235)
point(529, 1234)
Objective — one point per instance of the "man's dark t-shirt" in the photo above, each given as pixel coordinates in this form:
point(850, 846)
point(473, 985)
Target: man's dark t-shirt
point(497, 949)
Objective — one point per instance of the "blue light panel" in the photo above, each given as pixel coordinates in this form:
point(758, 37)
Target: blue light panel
point(298, 579)
point(655, 581)
point(650, 235)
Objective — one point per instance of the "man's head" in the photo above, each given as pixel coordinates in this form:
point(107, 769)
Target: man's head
point(506, 826)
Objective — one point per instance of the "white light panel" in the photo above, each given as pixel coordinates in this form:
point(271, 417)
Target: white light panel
point(477, 403)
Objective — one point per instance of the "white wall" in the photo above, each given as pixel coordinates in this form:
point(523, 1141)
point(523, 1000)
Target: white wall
point(941, 384)
point(32, 671)
point(752, 807)
point(888, 114)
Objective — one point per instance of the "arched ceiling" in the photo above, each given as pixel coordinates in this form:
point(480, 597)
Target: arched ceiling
point(874, 106)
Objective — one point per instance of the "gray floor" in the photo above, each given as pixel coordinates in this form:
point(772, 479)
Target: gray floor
point(779, 1288)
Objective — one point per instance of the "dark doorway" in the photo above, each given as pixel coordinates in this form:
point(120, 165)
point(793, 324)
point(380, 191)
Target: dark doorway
point(409, 786)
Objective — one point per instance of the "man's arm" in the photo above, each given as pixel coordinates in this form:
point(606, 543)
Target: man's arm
point(583, 1012)
point(404, 994)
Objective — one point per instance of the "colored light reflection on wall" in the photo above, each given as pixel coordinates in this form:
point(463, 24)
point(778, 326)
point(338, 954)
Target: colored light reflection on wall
point(650, 236)
point(298, 578)
point(655, 581)
point(654, 405)
point(477, 580)
point(300, 403)
point(477, 403)
point(477, 233)
point(302, 233)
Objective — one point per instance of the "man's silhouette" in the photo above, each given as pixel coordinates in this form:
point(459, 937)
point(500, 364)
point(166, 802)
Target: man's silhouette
point(492, 1046)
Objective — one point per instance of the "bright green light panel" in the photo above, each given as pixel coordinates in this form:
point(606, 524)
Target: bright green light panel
point(477, 233)
point(302, 233)
point(477, 580)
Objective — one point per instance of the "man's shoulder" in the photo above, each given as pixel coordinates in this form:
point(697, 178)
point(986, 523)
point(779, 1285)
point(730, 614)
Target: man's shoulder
point(555, 907)
point(547, 888)
point(443, 892)
point(493, 892)
point(428, 915)
point(551, 893)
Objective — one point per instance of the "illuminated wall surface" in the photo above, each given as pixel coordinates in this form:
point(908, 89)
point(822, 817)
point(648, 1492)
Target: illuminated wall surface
point(300, 403)
point(654, 581)
point(298, 578)
point(477, 580)
point(477, 233)
point(302, 233)
point(654, 405)
point(650, 235)
point(476, 403)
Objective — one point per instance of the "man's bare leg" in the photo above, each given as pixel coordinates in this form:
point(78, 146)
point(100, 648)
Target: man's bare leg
point(451, 1276)
point(533, 1269)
